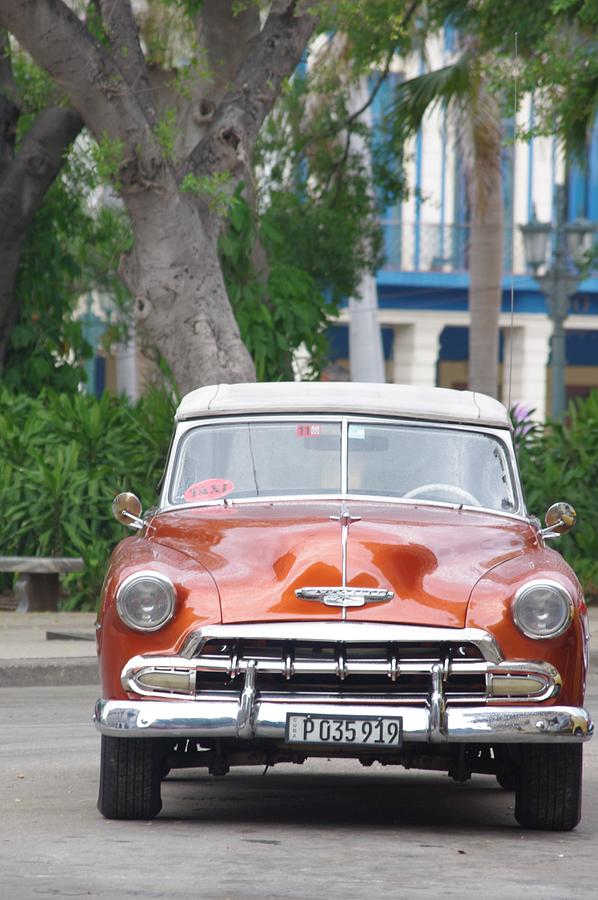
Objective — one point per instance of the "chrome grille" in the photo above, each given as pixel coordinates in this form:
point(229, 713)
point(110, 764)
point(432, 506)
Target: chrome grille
point(397, 669)
point(345, 662)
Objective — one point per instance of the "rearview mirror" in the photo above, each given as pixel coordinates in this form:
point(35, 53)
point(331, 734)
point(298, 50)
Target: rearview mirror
point(560, 518)
point(126, 509)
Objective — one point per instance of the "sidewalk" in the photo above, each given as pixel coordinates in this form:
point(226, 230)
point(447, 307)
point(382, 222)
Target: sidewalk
point(47, 649)
point(59, 648)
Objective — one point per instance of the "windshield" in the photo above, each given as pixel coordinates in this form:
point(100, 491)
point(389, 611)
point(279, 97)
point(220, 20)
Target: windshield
point(397, 460)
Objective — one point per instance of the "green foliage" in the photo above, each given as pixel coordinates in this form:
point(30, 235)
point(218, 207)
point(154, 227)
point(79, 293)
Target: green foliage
point(69, 251)
point(94, 23)
point(108, 155)
point(167, 130)
point(280, 311)
point(215, 188)
point(373, 28)
point(557, 51)
point(317, 217)
point(188, 76)
point(35, 87)
point(188, 6)
point(62, 460)
point(560, 462)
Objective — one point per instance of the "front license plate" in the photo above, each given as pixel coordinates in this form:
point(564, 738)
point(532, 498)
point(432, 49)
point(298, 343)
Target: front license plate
point(375, 730)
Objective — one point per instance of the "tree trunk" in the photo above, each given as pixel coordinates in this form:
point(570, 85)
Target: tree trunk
point(223, 35)
point(181, 302)
point(485, 250)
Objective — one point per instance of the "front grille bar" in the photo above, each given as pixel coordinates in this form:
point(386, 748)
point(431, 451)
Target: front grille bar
point(341, 666)
point(345, 633)
point(138, 673)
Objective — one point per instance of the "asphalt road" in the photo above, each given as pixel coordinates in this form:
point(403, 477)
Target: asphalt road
point(323, 830)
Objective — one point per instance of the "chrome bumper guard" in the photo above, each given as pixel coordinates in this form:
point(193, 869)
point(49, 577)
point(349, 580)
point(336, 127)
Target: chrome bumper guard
point(432, 723)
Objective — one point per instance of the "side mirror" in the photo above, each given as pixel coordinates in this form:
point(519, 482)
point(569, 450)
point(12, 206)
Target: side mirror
point(559, 519)
point(126, 509)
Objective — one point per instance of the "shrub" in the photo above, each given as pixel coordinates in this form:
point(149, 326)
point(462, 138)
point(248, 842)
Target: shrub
point(559, 461)
point(62, 459)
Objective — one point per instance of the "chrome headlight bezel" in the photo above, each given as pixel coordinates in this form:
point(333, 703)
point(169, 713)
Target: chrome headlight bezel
point(129, 583)
point(547, 585)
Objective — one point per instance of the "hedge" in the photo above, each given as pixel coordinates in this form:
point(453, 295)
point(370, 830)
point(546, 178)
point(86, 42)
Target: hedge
point(63, 457)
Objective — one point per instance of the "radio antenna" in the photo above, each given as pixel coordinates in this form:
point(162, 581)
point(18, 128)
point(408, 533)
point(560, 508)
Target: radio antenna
point(515, 105)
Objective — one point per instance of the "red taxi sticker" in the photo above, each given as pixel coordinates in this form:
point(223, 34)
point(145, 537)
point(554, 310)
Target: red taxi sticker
point(309, 430)
point(210, 489)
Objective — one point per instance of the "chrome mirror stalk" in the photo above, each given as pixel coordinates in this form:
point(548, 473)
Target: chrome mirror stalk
point(126, 509)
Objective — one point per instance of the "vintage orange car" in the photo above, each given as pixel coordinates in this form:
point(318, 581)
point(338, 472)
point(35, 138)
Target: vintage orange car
point(343, 570)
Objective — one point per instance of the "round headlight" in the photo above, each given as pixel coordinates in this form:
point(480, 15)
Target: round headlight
point(145, 601)
point(542, 609)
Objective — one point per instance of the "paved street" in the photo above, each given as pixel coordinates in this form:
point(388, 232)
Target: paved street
point(321, 830)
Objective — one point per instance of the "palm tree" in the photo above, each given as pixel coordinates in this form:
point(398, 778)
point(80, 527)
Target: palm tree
point(461, 88)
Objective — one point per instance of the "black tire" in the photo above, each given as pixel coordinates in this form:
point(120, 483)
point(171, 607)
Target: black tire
point(130, 774)
point(548, 789)
point(507, 780)
point(506, 773)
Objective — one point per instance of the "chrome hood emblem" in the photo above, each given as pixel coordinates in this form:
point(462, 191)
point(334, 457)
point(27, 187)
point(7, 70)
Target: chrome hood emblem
point(343, 595)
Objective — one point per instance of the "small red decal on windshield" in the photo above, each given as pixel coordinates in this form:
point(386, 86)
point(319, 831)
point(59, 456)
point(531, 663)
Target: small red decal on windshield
point(210, 489)
point(309, 430)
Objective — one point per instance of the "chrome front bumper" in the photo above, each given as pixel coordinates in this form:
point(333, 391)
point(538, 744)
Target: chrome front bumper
point(249, 711)
point(248, 719)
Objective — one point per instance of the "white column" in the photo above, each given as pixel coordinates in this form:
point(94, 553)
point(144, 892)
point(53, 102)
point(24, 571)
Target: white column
point(365, 336)
point(126, 367)
point(415, 352)
point(531, 347)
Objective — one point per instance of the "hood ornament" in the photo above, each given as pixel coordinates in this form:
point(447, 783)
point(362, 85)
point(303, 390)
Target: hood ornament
point(343, 595)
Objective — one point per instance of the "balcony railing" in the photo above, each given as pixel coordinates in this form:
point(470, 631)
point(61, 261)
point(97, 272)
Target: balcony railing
point(430, 247)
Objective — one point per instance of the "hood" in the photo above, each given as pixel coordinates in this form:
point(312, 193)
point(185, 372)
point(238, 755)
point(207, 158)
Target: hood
point(260, 553)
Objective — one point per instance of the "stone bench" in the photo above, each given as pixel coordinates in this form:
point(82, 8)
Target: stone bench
point(38, 587)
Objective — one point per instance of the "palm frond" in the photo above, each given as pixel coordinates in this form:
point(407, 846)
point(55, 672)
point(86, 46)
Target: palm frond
point(577, 116)
point(415, 97)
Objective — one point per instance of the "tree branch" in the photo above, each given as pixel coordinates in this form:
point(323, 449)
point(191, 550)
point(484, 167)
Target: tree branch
point(121, 27)
point(271, 57)
point(87, 73)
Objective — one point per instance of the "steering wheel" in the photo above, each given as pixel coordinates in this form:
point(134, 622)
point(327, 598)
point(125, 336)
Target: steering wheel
point(423, 492)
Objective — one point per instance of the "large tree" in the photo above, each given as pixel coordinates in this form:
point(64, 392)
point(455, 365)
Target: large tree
point(167, 173)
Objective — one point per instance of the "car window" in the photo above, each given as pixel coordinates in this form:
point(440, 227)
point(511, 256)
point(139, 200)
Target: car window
point(422, 462)
point(249, 459)
point(268, 459)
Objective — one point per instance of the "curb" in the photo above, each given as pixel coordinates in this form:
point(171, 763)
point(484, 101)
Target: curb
point(48, 672)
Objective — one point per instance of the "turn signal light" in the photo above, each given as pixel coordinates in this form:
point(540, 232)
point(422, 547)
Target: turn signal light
point(166, 681)
point(517, 685)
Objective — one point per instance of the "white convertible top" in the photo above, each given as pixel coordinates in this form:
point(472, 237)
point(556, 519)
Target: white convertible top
point(437, 404)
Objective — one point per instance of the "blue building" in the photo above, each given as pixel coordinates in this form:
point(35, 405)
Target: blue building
point(423, 286)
